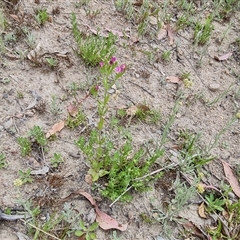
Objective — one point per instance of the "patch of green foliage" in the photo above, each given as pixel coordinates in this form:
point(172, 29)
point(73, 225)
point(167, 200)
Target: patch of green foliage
point(121, 167)
point(93, 49)
point(3, 163)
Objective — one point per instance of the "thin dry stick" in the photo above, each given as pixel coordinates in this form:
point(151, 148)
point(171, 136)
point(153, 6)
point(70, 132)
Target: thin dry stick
point(144, 89)
point(39, 229)
point(120, 196)
point(156, 171)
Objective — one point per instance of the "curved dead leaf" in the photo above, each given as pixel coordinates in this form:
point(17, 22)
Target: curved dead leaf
point(173, 79)
point(223, 57)
point(72, 110)
point(57, 127)
point(162, 33)
point(231, 178)
point(105, 221)
point(201, 210)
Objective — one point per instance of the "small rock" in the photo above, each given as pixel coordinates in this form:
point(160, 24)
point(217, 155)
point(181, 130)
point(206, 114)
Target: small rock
point(29, 113)
point(153, 20)
point(214, 87)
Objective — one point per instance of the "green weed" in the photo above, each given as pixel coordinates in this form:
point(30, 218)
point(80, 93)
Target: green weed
point(191, 155)
point(119, 166)
point(166, 56)
point(37, 133)
point(214, 204)
point(55, 106)
point(81, 3)
point(56, 160)
point(25, 176)
point(42, 16)
point(167, 214)
point(25, 145)
point(52, 62)
point(203, 31)
point(77, 120)
point(87, 232)
point(3, 163)
point(93, 49)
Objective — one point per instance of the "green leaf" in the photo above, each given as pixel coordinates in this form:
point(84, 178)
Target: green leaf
point(102, 173)
point(82, 225)
point(93, 227)
point(94, 174)
point(79, 233)
point(91, 236)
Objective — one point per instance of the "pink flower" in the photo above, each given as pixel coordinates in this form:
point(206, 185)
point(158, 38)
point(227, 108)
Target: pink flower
point(113, 60)
point(120, 68)
point(97, 87)
point(101, 64)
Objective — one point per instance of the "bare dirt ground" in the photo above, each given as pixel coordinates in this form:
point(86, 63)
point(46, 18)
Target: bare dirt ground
point(207, 103)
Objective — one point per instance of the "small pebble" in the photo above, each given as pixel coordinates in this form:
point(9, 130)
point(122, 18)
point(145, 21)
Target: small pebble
point(214, 87)
point(29, 113)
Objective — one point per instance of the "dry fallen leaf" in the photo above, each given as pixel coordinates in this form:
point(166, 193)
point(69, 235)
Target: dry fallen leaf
point(88, 179)
point(190, 227)
point(231, 178)
point(173, 79)
point(115, 32)
point(57, 127)
point(143, 107)
point(223, 57)
point(201, 210)
point(72, 109)
point(162, 33)
point(131, 111)
point(105, 221)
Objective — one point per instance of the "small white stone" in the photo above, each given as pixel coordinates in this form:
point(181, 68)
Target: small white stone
point(214, 87)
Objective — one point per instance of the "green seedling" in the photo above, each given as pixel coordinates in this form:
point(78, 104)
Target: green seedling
point(166, 214)
point(93, 49)
point(87, 232)
point(25, 176)
point(203, 31)
point(81, 3)
point(93, 13)
point(3, 21)
point(73, 88)
point(183, 21)
point(52, 62)
point(186, 79)
point(37, 133)
point(214, 204)
point(20, 95)
point(146, 218)
point(10, 37)
point(3, 163)
point(216, 232)
point(31, 39)
point(234, 208)
point(77, 120)
point(166, 56)
point(2, 46)
point(42, 16)
point(56, 160)
point(55, 106)
point(115, 236)
point(25, 145)
point(192, 156)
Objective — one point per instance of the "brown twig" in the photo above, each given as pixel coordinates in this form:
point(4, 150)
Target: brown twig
point(144, 89)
